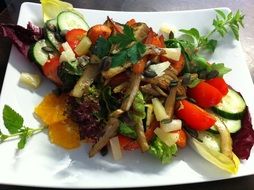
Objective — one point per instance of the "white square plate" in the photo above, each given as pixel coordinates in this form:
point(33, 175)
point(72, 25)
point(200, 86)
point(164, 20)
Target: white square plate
point(44, 164)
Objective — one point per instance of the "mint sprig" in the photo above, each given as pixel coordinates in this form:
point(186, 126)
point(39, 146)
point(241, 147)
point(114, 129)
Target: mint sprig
point(14, 123)
point(222, 25)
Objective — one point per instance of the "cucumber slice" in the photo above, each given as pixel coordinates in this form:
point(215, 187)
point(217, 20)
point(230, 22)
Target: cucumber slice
point(211, 140)
point(232, 125)
point(36, 53)
point(232, 106)
point(68, 20)
point(41, 52)
point(50, 35)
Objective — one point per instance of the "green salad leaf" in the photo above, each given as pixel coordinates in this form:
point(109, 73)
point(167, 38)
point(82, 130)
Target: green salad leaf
point(162, 151)
point(127, 130)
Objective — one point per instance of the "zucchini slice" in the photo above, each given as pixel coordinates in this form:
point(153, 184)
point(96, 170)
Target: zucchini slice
point(232, 106)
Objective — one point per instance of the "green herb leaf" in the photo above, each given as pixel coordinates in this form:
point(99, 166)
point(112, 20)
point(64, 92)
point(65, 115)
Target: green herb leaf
point(101, 47)
point(12, 120)
point(124, 39)
point(221, 13)
point(119, 59)
point(220, 67)
point(23, 139)
point(14, 123)
point(193, 32)
point(134, 52)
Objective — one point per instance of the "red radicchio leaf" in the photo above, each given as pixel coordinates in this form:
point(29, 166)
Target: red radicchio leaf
point(21, 37)
point(243, 140)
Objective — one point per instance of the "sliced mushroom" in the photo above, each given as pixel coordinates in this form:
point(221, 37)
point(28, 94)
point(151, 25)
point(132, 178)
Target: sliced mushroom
point(131, 92)
point(115, 71)
point(87, 78)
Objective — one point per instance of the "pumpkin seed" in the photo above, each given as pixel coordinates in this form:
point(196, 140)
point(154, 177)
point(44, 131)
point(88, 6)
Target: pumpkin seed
point(212, 74)
point(149, 73)
point(47, 49)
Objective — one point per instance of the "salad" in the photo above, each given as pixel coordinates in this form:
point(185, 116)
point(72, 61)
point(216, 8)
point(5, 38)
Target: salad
point(128, 87)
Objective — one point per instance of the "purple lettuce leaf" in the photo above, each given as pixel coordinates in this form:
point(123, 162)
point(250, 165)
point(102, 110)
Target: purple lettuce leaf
point(21, 37)
point(243, 140)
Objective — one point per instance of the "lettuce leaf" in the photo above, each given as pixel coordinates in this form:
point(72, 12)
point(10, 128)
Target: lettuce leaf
point(243, 140)
point(138, 107)
point(21, 37)
point(217, 158)
point(127, 130)
point(162, 151)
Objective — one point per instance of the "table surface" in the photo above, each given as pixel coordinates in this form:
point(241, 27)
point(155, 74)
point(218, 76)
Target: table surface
point(10, 15)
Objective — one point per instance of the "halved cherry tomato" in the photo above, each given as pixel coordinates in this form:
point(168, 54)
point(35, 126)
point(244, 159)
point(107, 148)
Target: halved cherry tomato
point(97, 31)
point(205, 95)
point(50, 70)
point(182, 140)
point(220, 84)
point(74, 36)
point(177, 65)
point(194, 116)
point(127, 143)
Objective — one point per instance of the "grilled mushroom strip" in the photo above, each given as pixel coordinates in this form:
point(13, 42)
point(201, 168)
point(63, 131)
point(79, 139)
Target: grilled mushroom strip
point(148, 89)
point(131, 92)
point(110, 130)
point(226, 140)
point(115, 71)
point(170, 102)
point(141, 136)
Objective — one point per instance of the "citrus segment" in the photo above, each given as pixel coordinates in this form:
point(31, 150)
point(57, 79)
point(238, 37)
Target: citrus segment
point(65, 134)
point(52, 108)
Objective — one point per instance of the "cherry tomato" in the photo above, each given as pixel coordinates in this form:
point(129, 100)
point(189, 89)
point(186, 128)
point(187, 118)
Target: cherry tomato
point(74, 36)
point(220, 84)
point(194, 116)
point(205, 95)
point(97, 31)
point(50, 70)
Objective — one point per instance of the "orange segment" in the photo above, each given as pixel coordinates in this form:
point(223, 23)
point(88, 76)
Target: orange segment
point(52, 108)
point(65, 134)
